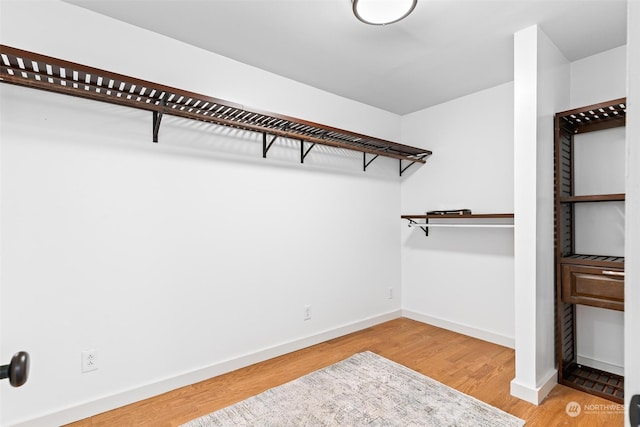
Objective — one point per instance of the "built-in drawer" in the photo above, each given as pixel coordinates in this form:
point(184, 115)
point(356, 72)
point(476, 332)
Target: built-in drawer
point(596, 286)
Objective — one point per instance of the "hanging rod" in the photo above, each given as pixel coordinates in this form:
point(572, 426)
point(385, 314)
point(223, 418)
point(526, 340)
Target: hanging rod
point(38, 71)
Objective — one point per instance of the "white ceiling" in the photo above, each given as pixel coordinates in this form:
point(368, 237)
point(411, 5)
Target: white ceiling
point(444, 50)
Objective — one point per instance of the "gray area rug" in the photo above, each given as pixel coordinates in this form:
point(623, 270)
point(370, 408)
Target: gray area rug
point(363, 390)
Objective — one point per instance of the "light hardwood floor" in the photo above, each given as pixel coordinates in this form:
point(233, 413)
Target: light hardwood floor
point(472, 366)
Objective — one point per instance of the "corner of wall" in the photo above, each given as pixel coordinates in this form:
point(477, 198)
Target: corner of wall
point(541, 88)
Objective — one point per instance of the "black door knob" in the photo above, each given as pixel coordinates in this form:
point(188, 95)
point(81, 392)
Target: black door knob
point(634, 411)
point(18, 370)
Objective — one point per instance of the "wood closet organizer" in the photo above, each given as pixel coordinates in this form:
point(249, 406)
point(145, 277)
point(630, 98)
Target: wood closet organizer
point(37, 71)
point(584, 278)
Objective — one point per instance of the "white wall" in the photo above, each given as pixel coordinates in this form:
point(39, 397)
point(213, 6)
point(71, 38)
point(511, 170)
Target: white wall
point(461, 278)
point(600, 332)
point(599, 78)
point(632, 249)
point(139, 249)
point(182, 259)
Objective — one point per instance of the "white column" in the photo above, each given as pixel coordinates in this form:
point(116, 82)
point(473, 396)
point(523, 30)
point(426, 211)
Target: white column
point(541, 88)
point(632, 215)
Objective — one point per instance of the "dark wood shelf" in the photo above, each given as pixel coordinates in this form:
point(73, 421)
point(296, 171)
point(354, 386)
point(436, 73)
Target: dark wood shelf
point(618, 197)
point(454, 220)
point(594, 381)
point(604, 115)
point(464, 216)
point(594, 260)
point(33, 70)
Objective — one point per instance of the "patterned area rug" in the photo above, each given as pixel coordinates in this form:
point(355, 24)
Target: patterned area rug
point(363, 390)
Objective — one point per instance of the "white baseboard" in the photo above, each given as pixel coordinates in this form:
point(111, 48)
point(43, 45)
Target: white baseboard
point(461, 328)
point(598, 364)
point(107, 403)
point(534, 395)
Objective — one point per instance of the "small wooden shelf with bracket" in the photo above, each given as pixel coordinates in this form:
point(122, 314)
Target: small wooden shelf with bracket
point(460, 220)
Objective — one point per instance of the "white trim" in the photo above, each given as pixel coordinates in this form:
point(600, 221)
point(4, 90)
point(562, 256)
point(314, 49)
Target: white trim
point(535, 395)
point(107, 403)
point(460, 328)
point(598, 364)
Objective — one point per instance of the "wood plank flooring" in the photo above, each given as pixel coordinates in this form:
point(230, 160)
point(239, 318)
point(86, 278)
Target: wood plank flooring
point(477, 368)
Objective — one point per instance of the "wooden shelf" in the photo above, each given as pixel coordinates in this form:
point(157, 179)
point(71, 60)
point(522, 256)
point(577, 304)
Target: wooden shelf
point(455, 220)
point(619, 197)
point(594, 381)
point(594, 260)
point(464, 216)
point(33, 70)
point(604, 115)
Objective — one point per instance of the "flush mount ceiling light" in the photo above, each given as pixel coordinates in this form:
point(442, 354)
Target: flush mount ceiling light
point(382, 12)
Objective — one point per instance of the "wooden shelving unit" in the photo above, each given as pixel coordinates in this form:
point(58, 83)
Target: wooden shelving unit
point(595, 280)
point(33, 70)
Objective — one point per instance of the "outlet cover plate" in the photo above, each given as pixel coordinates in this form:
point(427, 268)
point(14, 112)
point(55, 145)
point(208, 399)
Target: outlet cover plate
point(89, 360)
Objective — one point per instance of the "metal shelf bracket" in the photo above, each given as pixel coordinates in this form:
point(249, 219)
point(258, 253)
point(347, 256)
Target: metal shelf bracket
point(413, 223)
point(265, 146)
point(304, 153)
point(157, 118)
point(419, 159)
point(365, 164)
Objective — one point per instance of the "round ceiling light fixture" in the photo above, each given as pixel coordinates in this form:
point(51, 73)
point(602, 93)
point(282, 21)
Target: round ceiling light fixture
point(382, 12)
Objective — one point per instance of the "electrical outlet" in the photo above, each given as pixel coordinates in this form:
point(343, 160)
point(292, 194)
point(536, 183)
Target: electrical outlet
point(390, 294)
point(307, 312)
point(89, 360)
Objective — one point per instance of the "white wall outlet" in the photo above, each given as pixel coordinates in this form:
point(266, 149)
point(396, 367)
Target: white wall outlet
point(390, 293)
point(89, 360)
point(307, 312)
